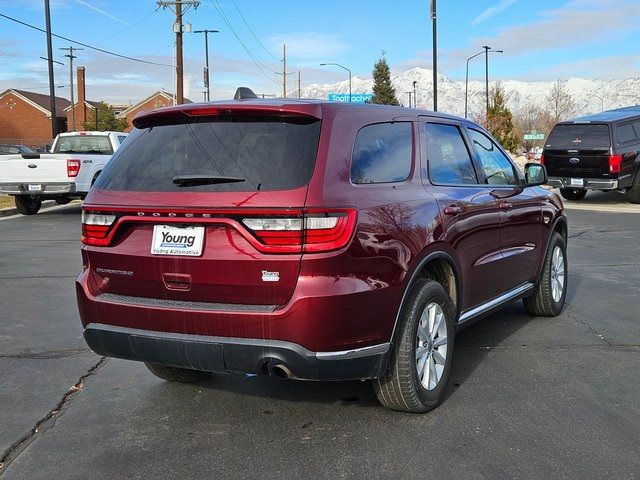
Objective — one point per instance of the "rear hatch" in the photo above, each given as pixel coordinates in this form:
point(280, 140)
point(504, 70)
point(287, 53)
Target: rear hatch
point(579, 150)
point(203, 204)
point(33, 169)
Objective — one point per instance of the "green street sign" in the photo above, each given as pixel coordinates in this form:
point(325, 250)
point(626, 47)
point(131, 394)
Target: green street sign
point(534, 136)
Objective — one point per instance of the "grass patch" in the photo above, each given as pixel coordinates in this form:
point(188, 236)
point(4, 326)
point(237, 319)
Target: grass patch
point(6, 201)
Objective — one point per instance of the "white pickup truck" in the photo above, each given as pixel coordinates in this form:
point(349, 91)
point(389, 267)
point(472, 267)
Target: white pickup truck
point(75, 161)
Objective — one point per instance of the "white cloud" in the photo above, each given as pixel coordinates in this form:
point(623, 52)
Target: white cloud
point(309, 45)
point(491, 11)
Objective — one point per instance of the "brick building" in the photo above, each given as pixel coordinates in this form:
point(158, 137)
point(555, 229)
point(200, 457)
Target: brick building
point(25, 117)
point(157, 99)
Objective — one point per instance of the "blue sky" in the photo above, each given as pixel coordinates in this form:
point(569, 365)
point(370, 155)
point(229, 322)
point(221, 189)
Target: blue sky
point(541, 39)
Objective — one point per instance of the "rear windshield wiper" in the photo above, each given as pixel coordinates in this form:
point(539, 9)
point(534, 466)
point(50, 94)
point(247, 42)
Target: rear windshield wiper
point(195, 180)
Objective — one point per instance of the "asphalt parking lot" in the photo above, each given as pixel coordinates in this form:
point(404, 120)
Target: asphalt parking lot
point(528, 397)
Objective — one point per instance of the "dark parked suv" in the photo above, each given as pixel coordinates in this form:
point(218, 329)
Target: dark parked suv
point(596, 152)
point(314, 241)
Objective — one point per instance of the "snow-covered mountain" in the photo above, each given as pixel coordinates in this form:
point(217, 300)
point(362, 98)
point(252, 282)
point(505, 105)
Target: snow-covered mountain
point(590, 95)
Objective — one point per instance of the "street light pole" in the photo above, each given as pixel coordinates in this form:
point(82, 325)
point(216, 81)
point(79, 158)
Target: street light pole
point(486, 78)
point(435, 56)
point(466, 83)
point(345, 68)
point(206, 53)
point(415, 97)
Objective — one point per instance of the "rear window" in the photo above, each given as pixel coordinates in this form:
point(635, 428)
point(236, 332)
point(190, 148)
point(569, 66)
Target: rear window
point(269, 153)
point(579, 136)
point(92, 144)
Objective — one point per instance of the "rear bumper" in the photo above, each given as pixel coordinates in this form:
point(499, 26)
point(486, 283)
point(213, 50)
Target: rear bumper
point(63, 188)
point(588, 183)
point(235, 355)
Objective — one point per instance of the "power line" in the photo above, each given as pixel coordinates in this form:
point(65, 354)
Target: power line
point(261, 66)
point(252, 32)
point(85, 44)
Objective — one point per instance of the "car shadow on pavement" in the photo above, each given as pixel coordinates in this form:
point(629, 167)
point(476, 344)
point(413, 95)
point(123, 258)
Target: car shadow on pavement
point(472, 345)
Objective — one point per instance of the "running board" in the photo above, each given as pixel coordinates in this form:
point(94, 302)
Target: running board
point(493, 305)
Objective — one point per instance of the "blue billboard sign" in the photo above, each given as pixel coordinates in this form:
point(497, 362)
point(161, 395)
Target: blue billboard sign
point(355, 97)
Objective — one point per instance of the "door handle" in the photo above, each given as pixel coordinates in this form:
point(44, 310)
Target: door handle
point(505, 206)
point(452, 210)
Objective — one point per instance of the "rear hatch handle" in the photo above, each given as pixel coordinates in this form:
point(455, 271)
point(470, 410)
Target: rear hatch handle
point(177, 281)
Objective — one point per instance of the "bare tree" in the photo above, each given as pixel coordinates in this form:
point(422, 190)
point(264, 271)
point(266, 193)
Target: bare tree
point(560, 103)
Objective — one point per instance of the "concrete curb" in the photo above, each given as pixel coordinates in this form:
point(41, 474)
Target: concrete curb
point(6, 212)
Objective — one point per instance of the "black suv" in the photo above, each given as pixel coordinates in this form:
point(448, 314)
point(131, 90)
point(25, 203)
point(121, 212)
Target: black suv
point(595, 152)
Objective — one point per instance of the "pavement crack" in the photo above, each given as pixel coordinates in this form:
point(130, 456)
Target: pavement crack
point(49, 420)
point(595, 332)
point(46, 355)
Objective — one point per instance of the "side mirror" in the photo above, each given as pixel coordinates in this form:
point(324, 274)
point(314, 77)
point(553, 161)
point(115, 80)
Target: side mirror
point(535, 174)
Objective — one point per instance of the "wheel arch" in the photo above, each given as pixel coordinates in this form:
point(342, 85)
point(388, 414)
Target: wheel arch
point(437, 265)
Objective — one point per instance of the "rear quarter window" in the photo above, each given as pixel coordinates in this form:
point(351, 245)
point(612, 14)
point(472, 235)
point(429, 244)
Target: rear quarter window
point(625, 133)
point(382, 153)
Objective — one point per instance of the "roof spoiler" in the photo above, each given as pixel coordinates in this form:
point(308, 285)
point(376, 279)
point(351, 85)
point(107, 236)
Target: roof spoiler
point(244, 93)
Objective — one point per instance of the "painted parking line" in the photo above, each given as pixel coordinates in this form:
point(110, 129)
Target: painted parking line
point(624, 208)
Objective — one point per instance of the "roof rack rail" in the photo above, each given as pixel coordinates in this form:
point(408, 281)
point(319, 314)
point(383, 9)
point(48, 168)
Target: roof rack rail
point(244, 93)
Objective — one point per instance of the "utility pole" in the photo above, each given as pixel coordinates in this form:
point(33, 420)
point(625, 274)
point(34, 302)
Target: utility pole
point(177, 28)
point(415, 97)
point(206, 68)
point(299, 89)
point(71, 56)
point(284, 71)
point(52, 87)
point(435, 56)
point(409, 93)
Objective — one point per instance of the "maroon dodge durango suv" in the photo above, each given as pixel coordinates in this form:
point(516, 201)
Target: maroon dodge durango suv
point(312, 240)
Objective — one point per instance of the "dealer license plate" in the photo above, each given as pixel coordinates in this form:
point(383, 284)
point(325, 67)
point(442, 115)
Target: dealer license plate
point(171, 240)
point(577, 182)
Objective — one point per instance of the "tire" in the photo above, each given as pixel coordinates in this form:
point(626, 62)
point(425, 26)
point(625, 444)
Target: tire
point(95, 177)
point(573, 193)
point(632, 195)
point(63, 200)
point(175, 374)
point(402, 388)
point(545, 301)
point(28, 204)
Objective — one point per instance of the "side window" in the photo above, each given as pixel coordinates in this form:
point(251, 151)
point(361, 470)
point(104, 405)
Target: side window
point(121, 139)
point(496, 167)
point(625, 133)
point(382, 153)
point(448, 157)
point(636, 127)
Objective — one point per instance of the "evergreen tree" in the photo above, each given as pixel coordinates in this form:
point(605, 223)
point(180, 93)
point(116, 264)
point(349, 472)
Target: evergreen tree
point(107, 120)
point(383, 91)
point(500, 120)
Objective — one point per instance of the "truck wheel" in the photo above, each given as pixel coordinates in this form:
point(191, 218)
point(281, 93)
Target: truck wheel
point(550, 292)
point(175, 374)
point(572, 193)
point(421, 357)
point(632, 194)
point(28, 204)
point(62, 200)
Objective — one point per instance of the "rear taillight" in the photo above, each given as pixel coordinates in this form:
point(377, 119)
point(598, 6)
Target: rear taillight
point(614, 163)
point(95, 228)
point(315, 231)
point(542, 159)
point(73, 167)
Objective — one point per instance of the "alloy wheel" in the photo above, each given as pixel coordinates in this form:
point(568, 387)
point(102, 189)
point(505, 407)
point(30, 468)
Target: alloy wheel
point(431, 346)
